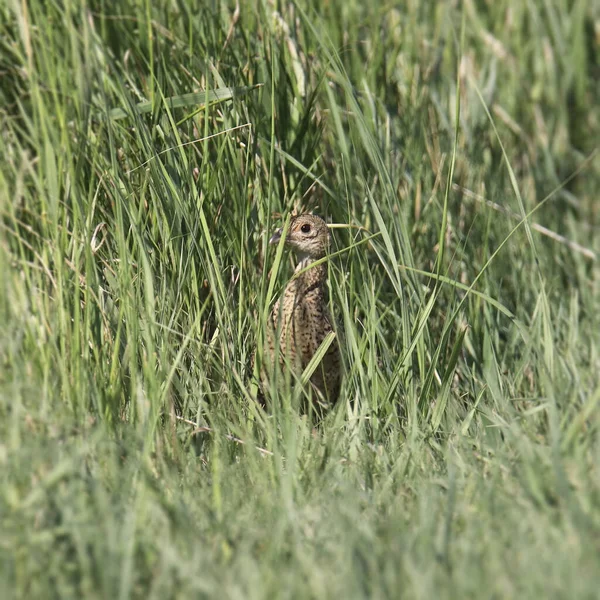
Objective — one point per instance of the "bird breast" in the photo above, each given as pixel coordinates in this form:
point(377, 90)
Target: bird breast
point(304, 318)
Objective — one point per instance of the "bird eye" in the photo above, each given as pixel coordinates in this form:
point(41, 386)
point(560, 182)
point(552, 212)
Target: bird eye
point(305, 228)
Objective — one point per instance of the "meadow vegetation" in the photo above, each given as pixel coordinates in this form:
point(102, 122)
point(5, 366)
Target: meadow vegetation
point(148, 149)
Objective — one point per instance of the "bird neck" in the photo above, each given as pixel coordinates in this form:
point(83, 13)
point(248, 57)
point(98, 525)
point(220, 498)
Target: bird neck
point(313, 275)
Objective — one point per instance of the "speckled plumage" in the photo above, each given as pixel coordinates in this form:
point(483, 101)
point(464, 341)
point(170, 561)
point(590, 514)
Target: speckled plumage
point(302, 315)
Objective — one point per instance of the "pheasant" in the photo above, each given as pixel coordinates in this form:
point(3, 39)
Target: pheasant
point(301, 317)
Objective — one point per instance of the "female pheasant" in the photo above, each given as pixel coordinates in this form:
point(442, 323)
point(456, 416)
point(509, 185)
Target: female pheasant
point(300, 320)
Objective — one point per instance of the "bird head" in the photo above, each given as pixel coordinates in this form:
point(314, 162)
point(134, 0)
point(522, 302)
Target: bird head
point(308, 236)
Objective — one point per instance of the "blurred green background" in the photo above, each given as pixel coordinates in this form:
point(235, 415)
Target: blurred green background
point(148, 149)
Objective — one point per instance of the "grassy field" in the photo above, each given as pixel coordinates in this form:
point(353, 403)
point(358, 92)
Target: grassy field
point(148, 149)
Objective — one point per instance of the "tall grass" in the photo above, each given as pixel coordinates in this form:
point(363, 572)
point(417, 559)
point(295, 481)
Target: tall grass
point(148, 149)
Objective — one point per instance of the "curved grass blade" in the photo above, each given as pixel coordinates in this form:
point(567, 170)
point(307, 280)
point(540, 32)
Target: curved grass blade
point(311, 367)
point(201, 99)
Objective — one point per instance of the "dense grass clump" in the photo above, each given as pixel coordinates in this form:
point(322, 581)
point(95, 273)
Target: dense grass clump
point(147, 151)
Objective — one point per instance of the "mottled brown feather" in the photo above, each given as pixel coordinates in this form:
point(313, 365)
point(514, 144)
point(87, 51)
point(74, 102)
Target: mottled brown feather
point(302, 316)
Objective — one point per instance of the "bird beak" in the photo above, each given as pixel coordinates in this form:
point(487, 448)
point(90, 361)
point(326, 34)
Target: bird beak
point(276, 237)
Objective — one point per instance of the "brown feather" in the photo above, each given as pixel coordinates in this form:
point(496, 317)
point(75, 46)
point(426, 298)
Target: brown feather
point(302, 314)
